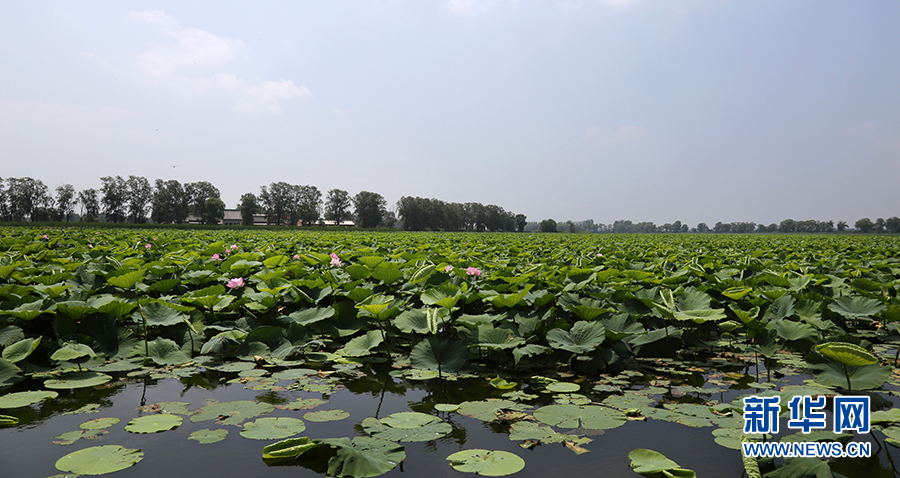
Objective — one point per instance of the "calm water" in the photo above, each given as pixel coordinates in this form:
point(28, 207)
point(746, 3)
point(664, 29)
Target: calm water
point(28, 449)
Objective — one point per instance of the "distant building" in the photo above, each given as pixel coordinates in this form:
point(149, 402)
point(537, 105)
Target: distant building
point(232, 218)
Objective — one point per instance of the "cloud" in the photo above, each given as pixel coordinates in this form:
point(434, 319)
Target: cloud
point(185, 60)
point(623, 134)
point(470, 7)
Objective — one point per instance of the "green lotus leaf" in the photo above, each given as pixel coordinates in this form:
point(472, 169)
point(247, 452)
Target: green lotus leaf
point(413, 320)
point(166, 352)
point(309, 316)
point(486, 410)
point(433, 353)
point(28, 311)
point(580, 416)
point(98, 460)
point(232, 367)
point(527, 430)
point(802, 468)
point(158, 314)
point(363, 457)
point(362, 345)
point(649, 462)
point(127, 280)
point(232, 413)
point(69, 438)
point(387, 273)
point(499, 338)
point(155, 423)
point(833, 374)
point(207, 436)
point(885, 416)
point(21, 349)
point(293, 374)
point(486, 463)
point(290, 448)
point(8, 421)
point(273, 428)
point(502, 384)
point(23, 399)
point(446, 407)
point(563, 387)
point(326, 415)
point(582, 338)
point(99, 423)
point(407, 427)
point(856, 306)
point(303, 404)
point(445, 295)
point(847, 354)
point(72, 351)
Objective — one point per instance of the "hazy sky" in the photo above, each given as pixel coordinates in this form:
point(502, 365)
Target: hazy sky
point(648, 110)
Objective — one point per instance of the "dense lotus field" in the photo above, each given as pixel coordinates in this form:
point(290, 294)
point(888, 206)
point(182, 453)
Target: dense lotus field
point(560, 338)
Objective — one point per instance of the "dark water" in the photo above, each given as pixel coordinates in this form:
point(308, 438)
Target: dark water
point(28, 449)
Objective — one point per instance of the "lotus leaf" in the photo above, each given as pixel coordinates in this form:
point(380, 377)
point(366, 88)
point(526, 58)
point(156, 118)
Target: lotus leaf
point(290, 448)
point(78, 380)
point(445, 355)
point(486, 463)
point(303, 404)
point(563, 387)
point(446, 407)
point(649, 463)
point(232, 413)
point(72, 351)
point(158, 314)
point(847, 354)
point(273, 428)
point(21, 349)
point(487, 410)
point(407, 427)
point(527, 430)
point(8, 421)
point(154, 423)
point(166, 352)
point(23, 399)
point(99, 460)
point(582, 338)
point(592, 417)
point(363, 344)
point(69, 438)
point(363, 457)
point(326, 415)
point(856, 306)
point(99, 423)
point(207, 436)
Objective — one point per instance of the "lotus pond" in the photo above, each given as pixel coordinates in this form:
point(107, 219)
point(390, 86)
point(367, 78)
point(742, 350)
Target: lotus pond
point(232, 352)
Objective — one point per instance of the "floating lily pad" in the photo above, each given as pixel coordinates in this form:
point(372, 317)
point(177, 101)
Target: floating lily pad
point(78, 380)
point(486, 463)
point(526, 430)
point(8, 421)
point(99, 423)
point(326, 415)
point(273, 428)
point(650, 463)
point(135, 363)
point(580, 416)
point(407, 427)
point(293, 374)
point(302, 404)
point(486, 410)
point(363, 457)
point(446, 407)
point(175, 408)
point(207, 436)
point(98, 460)
point(69, 438)
point(290, 448)
point(158, 422)
point(232, 413)
point(23, 399)
point(563, 387)
point(232, 366)
point(571, 399)
point(89, 408)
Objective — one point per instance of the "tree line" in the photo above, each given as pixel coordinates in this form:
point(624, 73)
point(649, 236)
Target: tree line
point(136, 200)
point(864, 225)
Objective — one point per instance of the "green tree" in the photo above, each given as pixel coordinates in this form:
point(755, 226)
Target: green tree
point(249, 206)
point(368, 209)
point(140, 196)
point(892, 224)
point(170, 202)
point(276, 201)
point(25, 197)
point(308, 203)
point(199, 194)
point(864, 225)
point(65, 201)
point(521, 222)
point(90, 204)
point(213, 211)
point(841, 226)
point(548, 225)
point(114, 198)
point(337, 205)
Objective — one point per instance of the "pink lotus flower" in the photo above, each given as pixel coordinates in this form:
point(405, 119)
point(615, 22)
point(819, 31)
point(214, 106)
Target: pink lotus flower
point(335, 260)
point(216, 257)
point(235, 283)
point(44, 236)
point(233, 246)
point(91, 246)
point(448, 268)
point(472, 271)
point(296, 257)
point(599, 255)
point(147, 246)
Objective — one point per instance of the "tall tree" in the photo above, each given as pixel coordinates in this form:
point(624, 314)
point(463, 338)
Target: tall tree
point(276, 201)
point(521, 222)
point(548, 225)
point(25, 197)
point(114, 199)
point(65, 201)
point(864, 225)
point(249, 206)
point(90, 205)
point(368, 208)
point(213, 211)
point(140, 195)
point(199, 193)
point(337, 205)
point(170, 202)
point(309, 204)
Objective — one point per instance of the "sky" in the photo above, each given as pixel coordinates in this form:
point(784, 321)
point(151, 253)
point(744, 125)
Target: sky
point(645, 110)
